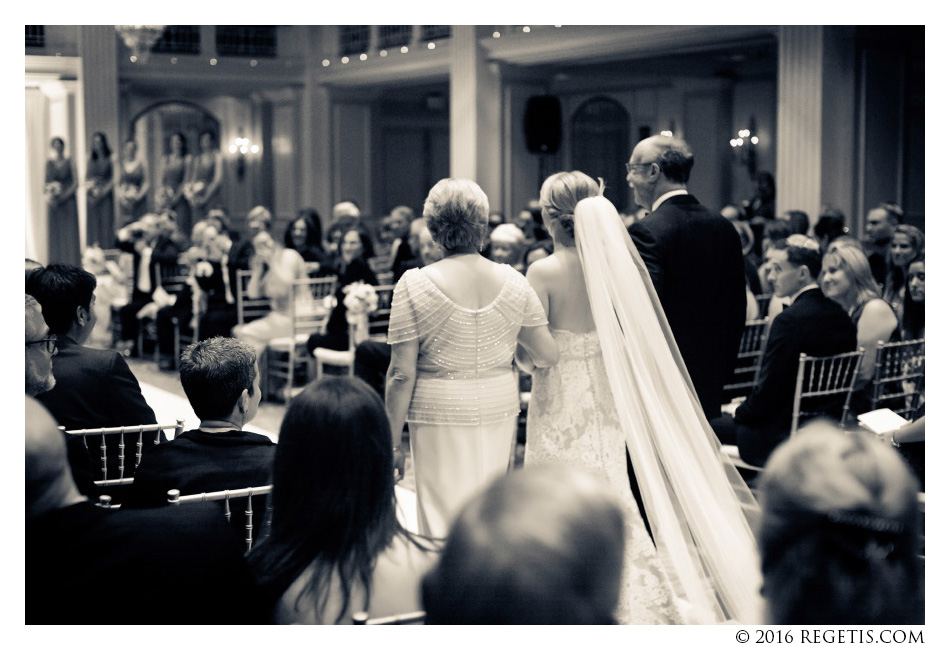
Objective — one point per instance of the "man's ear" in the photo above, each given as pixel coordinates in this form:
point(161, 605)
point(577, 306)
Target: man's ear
point(82, 314)
point(243, 400)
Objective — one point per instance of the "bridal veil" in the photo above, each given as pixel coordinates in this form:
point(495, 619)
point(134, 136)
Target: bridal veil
point(701, 512)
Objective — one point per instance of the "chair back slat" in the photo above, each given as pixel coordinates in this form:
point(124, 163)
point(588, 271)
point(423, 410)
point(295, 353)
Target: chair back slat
point(828, 381)
point(749, 359)
point(120, 432)
point(898, 377)
point(249, 309)
point(409, 618)
point(175, 498)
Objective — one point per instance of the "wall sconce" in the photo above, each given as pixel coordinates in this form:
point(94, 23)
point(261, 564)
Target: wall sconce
point(744, 145)
point(239, 148)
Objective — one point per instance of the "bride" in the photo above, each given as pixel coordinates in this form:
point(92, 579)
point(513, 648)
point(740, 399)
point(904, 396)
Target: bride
point(621, 382)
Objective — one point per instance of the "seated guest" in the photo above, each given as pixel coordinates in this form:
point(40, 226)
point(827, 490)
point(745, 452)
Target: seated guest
point(336, 546)
point(274, 269)
point(538, 251)
point(508, 245)
point(305, 235)
point(40, 349)
point(840, 533)
point(352, 267)
point(206, 300)
point(371, 358)
point(797, 221)
point(829, 227)
point(879, 228)
point(154, 243)
point(416, 226)
point(221, 380)
point(401, 248)
point(846, 278)
point(94, 388)
point(906, 244)
point(163, 566)
point(813, 325)
point(912, 326)
point(259, 219)
point(541, 546)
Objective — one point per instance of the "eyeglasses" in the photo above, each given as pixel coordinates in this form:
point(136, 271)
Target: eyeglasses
point(50, 342)
point(632, 166)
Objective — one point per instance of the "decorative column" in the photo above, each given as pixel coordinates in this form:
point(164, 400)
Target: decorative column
point(475, 115)
point(815, 139)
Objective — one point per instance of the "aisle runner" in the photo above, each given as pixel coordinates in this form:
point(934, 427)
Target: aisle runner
point(169, 407)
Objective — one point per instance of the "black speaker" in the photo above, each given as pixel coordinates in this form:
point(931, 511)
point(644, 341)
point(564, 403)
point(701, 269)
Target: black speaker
point(542, 124)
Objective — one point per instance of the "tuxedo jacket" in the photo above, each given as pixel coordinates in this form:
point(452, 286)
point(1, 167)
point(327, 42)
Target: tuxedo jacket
point(695, 261)
point(163, 566)
point(197, 461)
point(95, 388)
point(813, 325)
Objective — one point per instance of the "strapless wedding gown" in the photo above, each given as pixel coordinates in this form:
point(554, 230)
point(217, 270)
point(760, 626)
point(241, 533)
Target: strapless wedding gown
point(572, 420)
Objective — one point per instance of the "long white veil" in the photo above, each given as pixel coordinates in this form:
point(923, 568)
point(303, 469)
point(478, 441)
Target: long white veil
point(701, 512)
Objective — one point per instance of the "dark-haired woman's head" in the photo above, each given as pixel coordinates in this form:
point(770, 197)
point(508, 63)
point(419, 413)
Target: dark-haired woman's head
point(178, 144)
point(100, 146)
point(333, 499)
point(913, 325)
point(207, 140)
point(305, 231)
point(58, 145)
point(839, 537)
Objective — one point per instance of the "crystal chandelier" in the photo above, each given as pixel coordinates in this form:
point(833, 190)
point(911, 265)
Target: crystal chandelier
point(140, 39)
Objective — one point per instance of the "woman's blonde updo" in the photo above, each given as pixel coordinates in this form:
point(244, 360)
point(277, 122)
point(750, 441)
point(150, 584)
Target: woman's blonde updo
point(561, 192)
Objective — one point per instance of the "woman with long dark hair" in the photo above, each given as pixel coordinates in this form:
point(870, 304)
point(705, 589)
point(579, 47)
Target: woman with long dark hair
point(204, 179)
point(100, 204)
point(912, 326)
point(336, 546)
point(907, 243)
point(305, 235)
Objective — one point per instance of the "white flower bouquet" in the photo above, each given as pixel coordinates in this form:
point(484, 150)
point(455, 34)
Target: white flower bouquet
point(360, 299)
point(52, 190)
point(193, 190)
point(165, 196)
point(127, 193)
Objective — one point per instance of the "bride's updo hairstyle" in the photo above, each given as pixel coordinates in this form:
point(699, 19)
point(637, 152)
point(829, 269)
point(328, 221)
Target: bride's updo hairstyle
point(561, 192)
point(456, 213)
point(839, 538)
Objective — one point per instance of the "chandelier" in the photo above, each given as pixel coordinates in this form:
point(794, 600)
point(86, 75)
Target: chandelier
point(140, 39)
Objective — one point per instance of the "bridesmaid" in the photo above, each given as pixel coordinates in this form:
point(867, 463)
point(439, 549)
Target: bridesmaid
point(60, 191)
point(133, 184)
point(100, 205)
point(205, 179)
point(176, 165)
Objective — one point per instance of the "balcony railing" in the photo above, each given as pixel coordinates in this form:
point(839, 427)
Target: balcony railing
point(35, 36)
point(179, 39)
point(248, 40)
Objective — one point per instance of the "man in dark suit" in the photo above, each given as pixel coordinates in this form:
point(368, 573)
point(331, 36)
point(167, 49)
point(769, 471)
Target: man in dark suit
point(813, 325)
point(222, 382)
point(94, 388)
point(85, 564)
point(695, 260)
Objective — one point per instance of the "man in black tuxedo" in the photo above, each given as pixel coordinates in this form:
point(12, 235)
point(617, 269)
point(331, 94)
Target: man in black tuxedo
point(221, 379)
point(94, 388)
point(695, 260)
point(812, 324)
point(85, 564)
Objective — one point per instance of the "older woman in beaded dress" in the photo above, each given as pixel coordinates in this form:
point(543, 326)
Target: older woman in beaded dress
point(453, 330)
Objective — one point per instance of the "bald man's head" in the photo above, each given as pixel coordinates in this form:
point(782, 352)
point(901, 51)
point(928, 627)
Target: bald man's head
point(49, 481)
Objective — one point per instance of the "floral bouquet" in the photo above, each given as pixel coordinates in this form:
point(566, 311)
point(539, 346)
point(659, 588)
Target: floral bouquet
point(360, 299)
point(52, 191)
point(165, 196)
point(92, 188)
point(193, 190)
point(127, 193)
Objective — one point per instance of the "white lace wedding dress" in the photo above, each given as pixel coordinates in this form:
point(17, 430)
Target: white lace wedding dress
point(625, 386)
point(572, 419)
